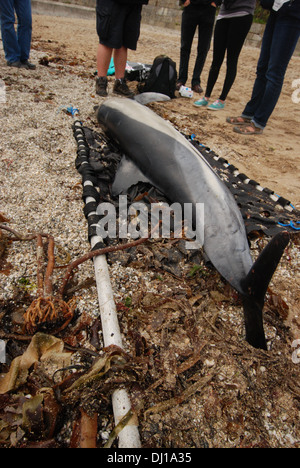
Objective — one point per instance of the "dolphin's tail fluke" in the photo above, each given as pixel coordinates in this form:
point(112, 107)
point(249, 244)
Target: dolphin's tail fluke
point(255, 287)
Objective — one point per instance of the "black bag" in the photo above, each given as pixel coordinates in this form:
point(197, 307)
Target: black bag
point(137, 71)
point(267, 4)
point(162, 77)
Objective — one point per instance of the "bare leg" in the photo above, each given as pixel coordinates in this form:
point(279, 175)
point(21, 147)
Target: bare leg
point(104, 55)
point(120, 59)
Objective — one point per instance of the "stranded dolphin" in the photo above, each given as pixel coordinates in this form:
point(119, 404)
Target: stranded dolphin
point(159, 153)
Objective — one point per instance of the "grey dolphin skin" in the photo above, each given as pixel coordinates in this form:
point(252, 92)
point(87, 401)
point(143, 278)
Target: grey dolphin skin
point(166, 158)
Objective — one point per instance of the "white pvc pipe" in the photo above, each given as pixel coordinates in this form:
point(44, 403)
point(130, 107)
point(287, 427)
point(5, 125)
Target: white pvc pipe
point(129, 436)
point(109, 319)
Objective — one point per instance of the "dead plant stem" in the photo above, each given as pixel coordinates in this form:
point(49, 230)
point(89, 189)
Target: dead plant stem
point(92, 254)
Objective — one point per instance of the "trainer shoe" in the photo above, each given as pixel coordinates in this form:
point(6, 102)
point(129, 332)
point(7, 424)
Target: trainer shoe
point(217, 105)
point(201, 102)
point(120, 87)
point(101, 86)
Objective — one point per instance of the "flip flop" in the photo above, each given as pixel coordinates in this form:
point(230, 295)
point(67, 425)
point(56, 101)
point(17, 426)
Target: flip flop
point(236, 121)
point(248, 129)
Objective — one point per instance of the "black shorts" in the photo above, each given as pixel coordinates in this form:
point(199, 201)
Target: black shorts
point(118, 24)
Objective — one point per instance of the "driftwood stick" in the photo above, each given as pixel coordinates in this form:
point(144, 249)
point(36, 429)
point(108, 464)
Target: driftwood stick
point(40, 266)
point(48, 286)
point(50, 268)
point(40, 258)
point(88, 430)
point(92, 254)
point(20, 237)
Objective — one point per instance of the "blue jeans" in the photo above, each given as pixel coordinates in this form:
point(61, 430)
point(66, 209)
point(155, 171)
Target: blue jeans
point(16, 44)
point(279, 42)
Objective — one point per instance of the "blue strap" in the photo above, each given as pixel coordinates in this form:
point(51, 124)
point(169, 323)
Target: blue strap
point(72, 110)
point(292, 225)
point(111, 68)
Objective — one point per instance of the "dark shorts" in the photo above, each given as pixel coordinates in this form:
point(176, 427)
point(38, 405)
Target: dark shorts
point(118, 25)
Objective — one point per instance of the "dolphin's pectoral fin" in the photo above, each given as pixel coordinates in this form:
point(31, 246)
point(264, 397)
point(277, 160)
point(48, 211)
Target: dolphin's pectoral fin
point(255, 287)
point(147, 98)
point(128, 174)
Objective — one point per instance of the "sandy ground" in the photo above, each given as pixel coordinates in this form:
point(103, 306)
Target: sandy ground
point(199, 382)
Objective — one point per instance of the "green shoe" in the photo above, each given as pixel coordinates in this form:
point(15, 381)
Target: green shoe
point(201, 102)
point(217, 105)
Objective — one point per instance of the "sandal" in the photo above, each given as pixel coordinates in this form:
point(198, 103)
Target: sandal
point(248, 129)
point(237, 121)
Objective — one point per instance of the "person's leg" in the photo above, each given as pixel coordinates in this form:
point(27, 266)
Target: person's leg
point(106, 45)
point(9, 35)
point(120, 59)
point(219, 50)
point(188, 29)
point(118, 29)
point(262, 67)
point(130, 36)
point(286, 34)
point(238, 31)
point(24, 32)
point(285, 39)
point(205, 30)
point(260, 81)
point(104, 55)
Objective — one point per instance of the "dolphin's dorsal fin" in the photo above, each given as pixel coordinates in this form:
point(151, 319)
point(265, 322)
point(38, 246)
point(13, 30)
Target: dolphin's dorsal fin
point(128, 174)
